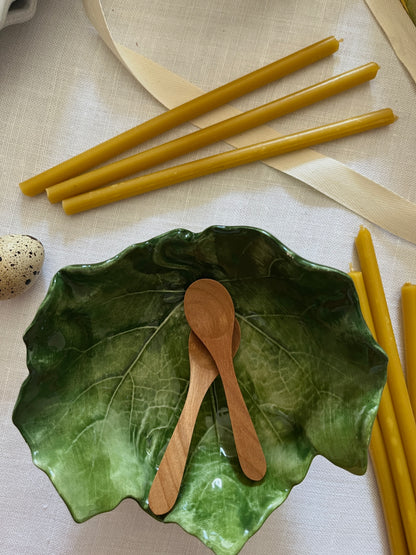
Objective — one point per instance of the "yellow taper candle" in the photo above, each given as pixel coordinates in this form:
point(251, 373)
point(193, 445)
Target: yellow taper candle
point(219, 131)
point(386, 339)
point(409, 327)
point(390, 465)
point(227, 160)
point(392, 513)
point(185, 112)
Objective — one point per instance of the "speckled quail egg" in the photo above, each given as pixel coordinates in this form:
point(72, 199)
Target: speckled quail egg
point(21, 259)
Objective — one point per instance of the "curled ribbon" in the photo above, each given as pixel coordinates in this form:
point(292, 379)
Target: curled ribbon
point(328, 176)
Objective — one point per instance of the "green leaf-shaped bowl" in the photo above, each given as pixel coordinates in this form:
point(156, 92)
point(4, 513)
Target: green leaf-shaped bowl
point(108, 375)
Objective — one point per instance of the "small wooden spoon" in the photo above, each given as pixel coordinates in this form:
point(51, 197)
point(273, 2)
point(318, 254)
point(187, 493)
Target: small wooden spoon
point(209, 310)
point(203, 371)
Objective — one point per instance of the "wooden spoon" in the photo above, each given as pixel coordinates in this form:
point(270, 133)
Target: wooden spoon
point(203, 371)
point(209, 310)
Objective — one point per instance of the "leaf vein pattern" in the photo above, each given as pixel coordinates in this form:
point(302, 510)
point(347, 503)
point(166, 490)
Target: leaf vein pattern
point(145, 292)
point(129, 369)
point(248, 392)
point(80, 434)
point(121, 378)
point(53, 426)
point(271, 339)
point(107, 338)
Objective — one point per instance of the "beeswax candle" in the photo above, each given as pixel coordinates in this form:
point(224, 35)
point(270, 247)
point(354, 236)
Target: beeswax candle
point(390, 466)
point(386, 339)
point(185, 112)
point(219, 131)
point(409, 327)
point(226, 160)
point(392, 514)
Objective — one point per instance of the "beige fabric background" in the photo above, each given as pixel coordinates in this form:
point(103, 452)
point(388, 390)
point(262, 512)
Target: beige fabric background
point(62, 91)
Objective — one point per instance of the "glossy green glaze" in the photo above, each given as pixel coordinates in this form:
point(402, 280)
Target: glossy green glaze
point(108, 375)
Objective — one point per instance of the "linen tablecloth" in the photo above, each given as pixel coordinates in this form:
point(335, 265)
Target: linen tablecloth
point(62, 91)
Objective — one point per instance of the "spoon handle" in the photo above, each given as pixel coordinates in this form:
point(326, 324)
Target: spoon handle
point(249, 450)
point(166, 484)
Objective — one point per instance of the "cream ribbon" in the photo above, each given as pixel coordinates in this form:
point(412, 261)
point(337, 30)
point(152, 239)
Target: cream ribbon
point(328, 176)
point(399, 29)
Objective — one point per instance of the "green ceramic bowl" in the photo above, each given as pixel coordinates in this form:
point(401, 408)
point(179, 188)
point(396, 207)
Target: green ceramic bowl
point(108, 375)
